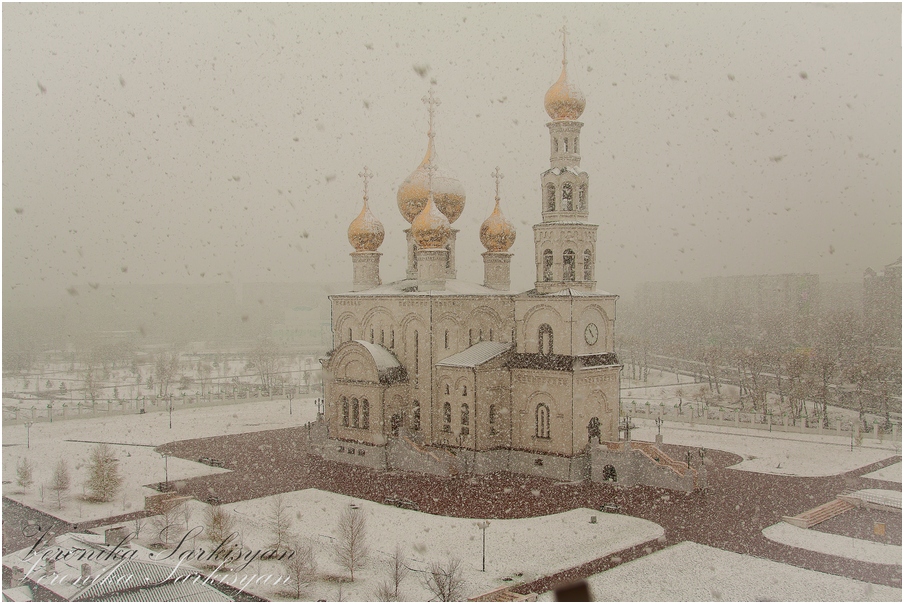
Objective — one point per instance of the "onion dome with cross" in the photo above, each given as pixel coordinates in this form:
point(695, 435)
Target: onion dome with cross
point(448, 192)
point(563, 100)
point(366, 233)
point(430, 228)
point(497, 233)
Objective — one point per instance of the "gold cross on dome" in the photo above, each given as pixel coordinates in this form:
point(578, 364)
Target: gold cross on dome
point(564, 31)
point(366, 175)
point(498, 176)
point(432, 102)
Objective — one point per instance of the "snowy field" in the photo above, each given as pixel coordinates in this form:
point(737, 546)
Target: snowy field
point(835, 545)
point(890, 473)
point(781, 453)
point(692, 572)
point(132, 438)
point(521, 550)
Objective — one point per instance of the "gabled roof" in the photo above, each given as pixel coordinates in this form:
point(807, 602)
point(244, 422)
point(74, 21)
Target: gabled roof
point(476, 355)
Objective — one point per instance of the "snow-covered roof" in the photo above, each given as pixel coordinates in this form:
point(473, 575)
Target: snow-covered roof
point(570, 292)
point(383, 358)
point(570, 169)
point(409, 286)
point(476, 355)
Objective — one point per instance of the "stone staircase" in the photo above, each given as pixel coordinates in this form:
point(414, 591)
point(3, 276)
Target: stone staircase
point(433, 457)
point(656, 454)
point(504, 594)
point(820, 513)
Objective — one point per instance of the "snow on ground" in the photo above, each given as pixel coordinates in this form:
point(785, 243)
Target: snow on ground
point(890, 473)
point(836, 545)
point(693, 572)
point(783, 453)
point(892, 498)
point(523, 549)
point(133, 437)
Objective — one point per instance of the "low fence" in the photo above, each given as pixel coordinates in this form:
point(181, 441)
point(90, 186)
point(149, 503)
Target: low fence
point(43, 411)
point(739, 419)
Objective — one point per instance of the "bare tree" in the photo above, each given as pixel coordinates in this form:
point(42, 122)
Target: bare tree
point(24, 473)
point(60, 482)
point(104, 479)
point(266, 360)
point(169, 520)
point(445, 581)
point(301, 567)
point(219, 524)
point(279, 522)
point(396, 571)
point(166, 366)
point(351, 546)
point(138, 525)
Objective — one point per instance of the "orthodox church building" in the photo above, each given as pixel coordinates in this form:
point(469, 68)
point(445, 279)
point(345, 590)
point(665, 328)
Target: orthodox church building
point(434, 374)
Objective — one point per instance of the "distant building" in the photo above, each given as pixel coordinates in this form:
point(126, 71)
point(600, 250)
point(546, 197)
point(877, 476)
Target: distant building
point(882, 303)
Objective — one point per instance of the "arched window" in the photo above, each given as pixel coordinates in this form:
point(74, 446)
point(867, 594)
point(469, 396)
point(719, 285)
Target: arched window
point(447, 388)
point(547, 265)
point(447, 339)
point(448, 256)
point(577, 147)
point(555, 142)
point(545, 339)
point(349, 334)
point(464, 390)
point(566, 145)
point(582, 198)
point(416, 417)
point(550, 197)
point(365, 414)
point(542, 421)
point(588, 266)
point(392, 337)
point(344, 411)
point(447, 417)
point(568, 265)
point(382, 336)
point(356, 413)
point(567, 205)
point(470, 337)
point(465, 420)
point(414, 256)
point(492, 420)
point(371, 335)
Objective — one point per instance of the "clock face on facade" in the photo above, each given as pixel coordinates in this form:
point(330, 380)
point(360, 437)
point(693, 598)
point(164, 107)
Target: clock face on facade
point(591, 334)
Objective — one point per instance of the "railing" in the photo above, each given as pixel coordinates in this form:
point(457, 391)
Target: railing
point(878, 499)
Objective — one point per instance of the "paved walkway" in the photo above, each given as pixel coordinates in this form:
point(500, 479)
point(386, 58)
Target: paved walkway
point(730, 515)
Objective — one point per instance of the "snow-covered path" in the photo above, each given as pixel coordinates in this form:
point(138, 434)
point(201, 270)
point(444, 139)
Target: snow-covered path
point(835, 545)
point(692, 572)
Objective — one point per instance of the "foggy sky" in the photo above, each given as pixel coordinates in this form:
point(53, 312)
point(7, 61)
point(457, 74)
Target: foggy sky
point(221, 143)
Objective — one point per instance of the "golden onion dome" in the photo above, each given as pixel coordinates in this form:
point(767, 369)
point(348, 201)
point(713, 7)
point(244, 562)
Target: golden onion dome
point(448, 192)
point(497, 233)
point(563, 100)
point(365, 233)
point(430, 228)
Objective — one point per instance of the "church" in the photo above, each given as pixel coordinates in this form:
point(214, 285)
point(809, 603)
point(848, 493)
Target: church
point(433, 374)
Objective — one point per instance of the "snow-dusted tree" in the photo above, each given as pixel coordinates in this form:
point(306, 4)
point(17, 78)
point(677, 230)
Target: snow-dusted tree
point(396, 571)
point(279, 522)
point(351, 545)
point(267, 361)
point(24, 473)
point(445, 581)
point(60, 482)
point(104, 478)
point(168, 522)
point(218, 523)
point(166, 365)
point(301, 567)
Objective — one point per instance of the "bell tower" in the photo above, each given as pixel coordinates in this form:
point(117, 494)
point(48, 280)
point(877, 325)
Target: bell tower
point(565, 244)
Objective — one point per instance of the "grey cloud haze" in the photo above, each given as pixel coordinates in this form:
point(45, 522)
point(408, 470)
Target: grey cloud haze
point(221, 143)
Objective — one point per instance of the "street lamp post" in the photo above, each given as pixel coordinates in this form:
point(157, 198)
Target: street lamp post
point(165, 469)
point(290, 401)
point(482, 525)
point(28, 434)
point(171, 411)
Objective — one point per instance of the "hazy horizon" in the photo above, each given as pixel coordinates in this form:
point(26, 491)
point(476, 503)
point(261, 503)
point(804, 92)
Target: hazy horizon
point(199, 144)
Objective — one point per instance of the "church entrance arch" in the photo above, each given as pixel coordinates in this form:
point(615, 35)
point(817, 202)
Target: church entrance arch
point(609, 474)
point(395, 423)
